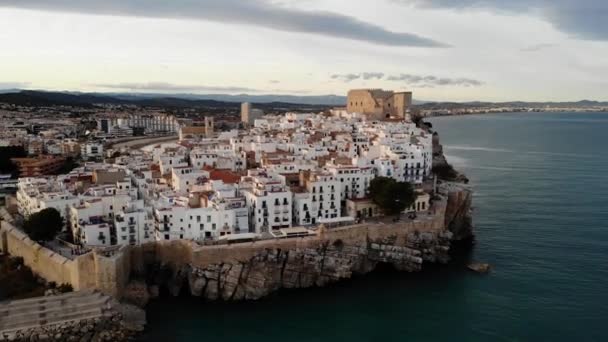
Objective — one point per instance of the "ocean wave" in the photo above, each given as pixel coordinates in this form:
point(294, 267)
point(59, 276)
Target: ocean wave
point(477, 148)
point(561, 154)
point(456, 160)
point(503, 150)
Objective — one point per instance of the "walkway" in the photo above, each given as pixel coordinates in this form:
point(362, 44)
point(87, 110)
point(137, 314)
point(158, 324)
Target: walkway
point(41, 311)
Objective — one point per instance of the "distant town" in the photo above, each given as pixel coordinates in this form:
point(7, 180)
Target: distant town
point(260, 176)
point(118, 201)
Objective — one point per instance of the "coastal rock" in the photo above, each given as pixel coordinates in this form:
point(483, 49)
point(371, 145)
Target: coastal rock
point(458, 218)
point(480, 267)
point(137, 293)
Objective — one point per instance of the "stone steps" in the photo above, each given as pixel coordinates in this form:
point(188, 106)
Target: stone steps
point(49, 298)
point(32, 304)
point(52, 310)
point(48, 315)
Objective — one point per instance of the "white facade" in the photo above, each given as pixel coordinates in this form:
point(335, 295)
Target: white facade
point(91, 150)
point(269, 203)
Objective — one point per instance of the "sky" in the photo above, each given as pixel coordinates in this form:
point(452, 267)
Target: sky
point(442, 50)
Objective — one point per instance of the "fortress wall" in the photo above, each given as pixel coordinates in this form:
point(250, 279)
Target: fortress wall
point(243, 252)
point(112, 273)
point(44, 262)
point(84, 272)
point(89, 271)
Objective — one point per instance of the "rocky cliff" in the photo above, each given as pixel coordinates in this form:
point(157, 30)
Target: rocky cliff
point(458, 212)
point(272, 269)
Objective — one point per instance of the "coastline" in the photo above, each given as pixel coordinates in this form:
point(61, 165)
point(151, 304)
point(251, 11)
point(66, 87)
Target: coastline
point(252, 270)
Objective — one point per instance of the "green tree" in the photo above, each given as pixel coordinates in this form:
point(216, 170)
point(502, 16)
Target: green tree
point(43, 225)
point(391, 196)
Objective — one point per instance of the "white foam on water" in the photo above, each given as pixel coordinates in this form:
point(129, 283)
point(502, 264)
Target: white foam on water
point(456, 160)
point(476, 148)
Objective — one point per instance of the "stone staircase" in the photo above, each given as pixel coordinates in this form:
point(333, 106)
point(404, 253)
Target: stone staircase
point(53, 310)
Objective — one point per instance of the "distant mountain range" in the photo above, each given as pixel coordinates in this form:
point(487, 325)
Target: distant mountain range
point(315, 102)
point(49, 98)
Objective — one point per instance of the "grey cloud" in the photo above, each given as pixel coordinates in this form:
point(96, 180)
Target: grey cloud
point(583, 19)
point(169, 87)
point(249, 12)
point(274, 81)
point(430, 81)
point(351, 77)
point(345, 77)
point(420, 81)
point(372, 75)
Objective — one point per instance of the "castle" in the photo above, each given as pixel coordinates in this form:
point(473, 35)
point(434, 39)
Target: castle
point(380, 104)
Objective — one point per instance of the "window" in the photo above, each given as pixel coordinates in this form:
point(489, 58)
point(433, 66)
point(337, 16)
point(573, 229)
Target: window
point(198, 219)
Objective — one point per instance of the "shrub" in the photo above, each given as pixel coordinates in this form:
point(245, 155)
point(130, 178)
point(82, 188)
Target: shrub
point(64, 288)
point(43, 225)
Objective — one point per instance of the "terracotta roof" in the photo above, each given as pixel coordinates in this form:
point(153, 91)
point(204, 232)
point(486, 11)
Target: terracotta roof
point(226, 176)
point(193, 130)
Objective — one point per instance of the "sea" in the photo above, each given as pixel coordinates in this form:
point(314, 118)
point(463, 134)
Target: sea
point(541, 221)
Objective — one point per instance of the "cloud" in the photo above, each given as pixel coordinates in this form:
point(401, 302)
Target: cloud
point(430, 81)
point(537, 47)
point(169, 87)
point(419, 81)
point(259, 13)
point(351, 77)
point(274, 81)
point(14, 85)
point(345, 77)
point(583, 19)
point(372, 75)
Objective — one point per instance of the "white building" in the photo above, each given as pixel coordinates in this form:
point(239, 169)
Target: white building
point(268, 200)
point(91, 150)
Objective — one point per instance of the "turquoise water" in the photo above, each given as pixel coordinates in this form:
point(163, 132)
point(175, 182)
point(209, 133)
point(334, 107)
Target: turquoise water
point(541, 217)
